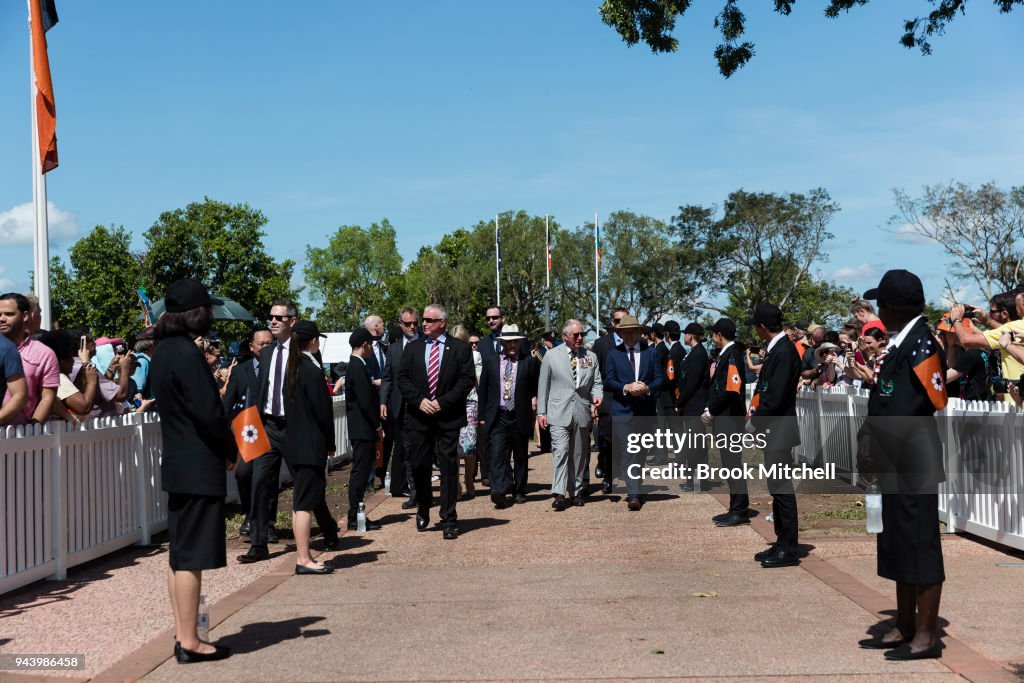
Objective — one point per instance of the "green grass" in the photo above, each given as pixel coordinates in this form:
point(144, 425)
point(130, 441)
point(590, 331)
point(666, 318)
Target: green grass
point(852, 511)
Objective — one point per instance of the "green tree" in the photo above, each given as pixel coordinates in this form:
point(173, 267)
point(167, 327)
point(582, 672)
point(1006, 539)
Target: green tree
point(653, 21)
point(981, 230)
point(222, 246)
point(358, 273)
point(98, 287)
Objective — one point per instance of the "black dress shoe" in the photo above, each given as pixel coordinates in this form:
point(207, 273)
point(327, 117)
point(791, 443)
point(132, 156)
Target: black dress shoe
point(726, 515)
point(904, 653)
point(598, 472)
point(732, 520)
point(401, 494)
point(371, 525)
point(578, 501)
point(765, 554)
point(272, 535)
point(584, 490)
point(409, 504)
point(634, 504)
point(245, 528)
point(255, 554)
point(302, 569)
point(499, 500)
point(781, 558)
point(189, 657)
point(451, 533)
point(879, 644)
point(519, 498)
point(331, 543)
point(422, 521)
point(606, 487)
point(560, 504)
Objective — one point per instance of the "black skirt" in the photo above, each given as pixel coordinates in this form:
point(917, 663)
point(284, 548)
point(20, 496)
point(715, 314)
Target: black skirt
point(310, 486)
point(196, 527)
point(909, 547)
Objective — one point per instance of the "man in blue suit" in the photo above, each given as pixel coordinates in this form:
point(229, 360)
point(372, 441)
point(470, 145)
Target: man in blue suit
point(632, 380)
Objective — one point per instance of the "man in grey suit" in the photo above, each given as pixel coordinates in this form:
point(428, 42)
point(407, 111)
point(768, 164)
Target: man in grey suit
point(568, 397)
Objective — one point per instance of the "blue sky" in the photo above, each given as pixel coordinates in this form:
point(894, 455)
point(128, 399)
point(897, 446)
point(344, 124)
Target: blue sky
point(439, 114)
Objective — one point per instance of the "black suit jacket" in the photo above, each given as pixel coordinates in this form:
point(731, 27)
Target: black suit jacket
point(906, 452)
point(694, 380)
point(775, 396)
point(266, 373)
point(310, 412)
point(601, 348)
point(373, 365)
point(492, 385)
point(457, 378)
point(720, 401)
point(390, 396)
point(243, 388)
point(362, 402)
point(197, 438)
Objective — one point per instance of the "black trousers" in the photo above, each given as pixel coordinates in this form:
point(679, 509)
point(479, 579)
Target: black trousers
point(739, 501)
point(604, 446)
point(784, 512)
point(266, 473)
point(422, 447)
point(507, 440)
point(401, 468)
point(243, 477)
point(363, 454)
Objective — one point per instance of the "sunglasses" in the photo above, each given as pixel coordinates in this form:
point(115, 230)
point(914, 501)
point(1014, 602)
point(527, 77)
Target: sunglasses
point(407, 324)
point(494, 317)
point(433, 320)
point(575, 334)
point(473, 343)
point(281, 318)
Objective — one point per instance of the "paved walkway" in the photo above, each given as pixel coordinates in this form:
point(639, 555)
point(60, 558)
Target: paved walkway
point(590, 593)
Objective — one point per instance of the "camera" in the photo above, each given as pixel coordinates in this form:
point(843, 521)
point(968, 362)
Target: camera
point(120, 349)
point(1000, 385)
point(971, 313)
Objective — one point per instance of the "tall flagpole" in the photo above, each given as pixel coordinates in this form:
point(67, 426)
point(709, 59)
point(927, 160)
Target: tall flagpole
point(41, 242)
point(547, 265)
point(597, 276)
point(497, 260)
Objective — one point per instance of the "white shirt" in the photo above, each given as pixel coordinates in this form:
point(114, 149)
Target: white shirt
point(772, 343)
point(898, 339)
point(268, 408)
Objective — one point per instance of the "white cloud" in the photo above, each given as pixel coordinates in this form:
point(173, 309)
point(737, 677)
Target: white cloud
point(17, 225)
point(907, 234)
point(6, 283)
point(864, 270)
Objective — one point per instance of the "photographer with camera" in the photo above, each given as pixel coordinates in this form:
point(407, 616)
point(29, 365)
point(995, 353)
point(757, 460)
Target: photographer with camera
point(1003, 317)
point(865, 358)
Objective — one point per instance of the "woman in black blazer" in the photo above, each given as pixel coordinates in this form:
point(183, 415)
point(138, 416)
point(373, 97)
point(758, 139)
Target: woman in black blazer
point(307, 403)
point(198, 448)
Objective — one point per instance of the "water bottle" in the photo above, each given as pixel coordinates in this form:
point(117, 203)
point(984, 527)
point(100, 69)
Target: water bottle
point(203, 620)
point(873, 504)
point(361, 518)
point(387, 483)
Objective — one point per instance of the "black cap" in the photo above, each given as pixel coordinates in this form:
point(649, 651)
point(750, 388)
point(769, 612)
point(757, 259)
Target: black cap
point(671, 327)
point(694, 328)
point(766, 314)
point(549, 336)
point(359, 337)
point(899, 288)
point(725, 327)
point(186, 294)
point(801, 325)
point(307, 329)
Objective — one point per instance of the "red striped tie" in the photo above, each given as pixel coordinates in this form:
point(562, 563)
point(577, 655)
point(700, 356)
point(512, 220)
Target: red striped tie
point(433, 368)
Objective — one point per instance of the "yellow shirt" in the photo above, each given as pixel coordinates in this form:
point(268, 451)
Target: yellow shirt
point(1012, 368)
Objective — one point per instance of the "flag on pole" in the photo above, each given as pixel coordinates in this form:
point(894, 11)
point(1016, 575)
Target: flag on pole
point(250, 436)
point(597, 240)
point(43, 16)
point(547, 239)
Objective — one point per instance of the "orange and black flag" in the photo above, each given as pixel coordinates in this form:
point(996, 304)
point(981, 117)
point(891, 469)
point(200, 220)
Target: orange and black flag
point(732, 383)
point(928, 367)
point(43, 15)
point(755, 403)
point(250, 436)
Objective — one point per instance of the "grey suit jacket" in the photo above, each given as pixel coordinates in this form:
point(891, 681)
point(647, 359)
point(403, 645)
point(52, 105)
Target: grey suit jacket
point(563, 403)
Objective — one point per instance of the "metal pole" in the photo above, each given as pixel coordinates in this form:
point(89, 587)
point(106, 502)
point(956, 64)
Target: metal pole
point(597, 276)
point(547, 266)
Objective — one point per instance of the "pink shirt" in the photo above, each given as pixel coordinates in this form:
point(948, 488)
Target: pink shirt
point(41, 371)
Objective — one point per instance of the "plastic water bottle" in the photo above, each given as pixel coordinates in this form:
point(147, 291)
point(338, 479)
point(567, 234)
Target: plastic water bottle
point(387, 483)
point(361, 518)
point(873, 504)
point(203, 620)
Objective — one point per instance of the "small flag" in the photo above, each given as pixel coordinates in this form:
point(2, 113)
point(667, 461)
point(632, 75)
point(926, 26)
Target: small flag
point(733, 382)
point(597, 241)
point(755, 402)
point(497, 241)
point(43, 15)
point(548, 240)
point(928, 369)
point(250, 435)
point(147, 306)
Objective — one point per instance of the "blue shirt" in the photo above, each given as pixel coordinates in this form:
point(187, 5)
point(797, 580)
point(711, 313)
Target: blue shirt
point(11, 360)
point(141, 376)
point(429, 344)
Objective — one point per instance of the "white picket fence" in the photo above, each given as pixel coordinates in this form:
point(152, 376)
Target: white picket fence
point(989, 441)
point(73, 493)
